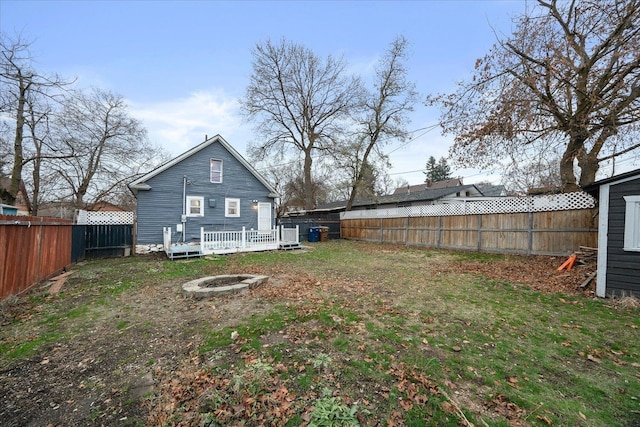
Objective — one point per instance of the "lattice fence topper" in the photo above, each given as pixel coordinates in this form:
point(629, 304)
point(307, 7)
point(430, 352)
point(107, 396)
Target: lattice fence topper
point(104, 217)
point(554, 202)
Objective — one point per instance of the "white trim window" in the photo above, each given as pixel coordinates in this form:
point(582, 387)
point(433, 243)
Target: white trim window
point(215, 171)
point(632, 224)
point(195, 206)
point(232, 208)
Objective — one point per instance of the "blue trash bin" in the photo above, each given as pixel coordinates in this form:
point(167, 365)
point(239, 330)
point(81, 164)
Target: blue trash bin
point(314, 234)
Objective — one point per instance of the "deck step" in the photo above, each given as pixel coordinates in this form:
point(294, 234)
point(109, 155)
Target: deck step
point(290, 246)
point(186, 254)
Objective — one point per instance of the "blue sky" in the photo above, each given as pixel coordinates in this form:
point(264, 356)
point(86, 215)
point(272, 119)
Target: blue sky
point(183, 65)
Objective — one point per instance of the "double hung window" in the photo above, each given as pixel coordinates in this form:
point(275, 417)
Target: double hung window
point(231, 207)
point(216, 171)
point(195, 206)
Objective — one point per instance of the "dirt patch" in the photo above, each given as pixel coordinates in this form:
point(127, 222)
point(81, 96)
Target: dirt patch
point(102, 375)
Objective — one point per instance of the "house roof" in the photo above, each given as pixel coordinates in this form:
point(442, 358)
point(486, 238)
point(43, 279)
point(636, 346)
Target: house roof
point(104, 206)
point(492, 190)
point(593, 189)
point(414, 196)
point(446, 183)
point(22, 198)
point(140, 183)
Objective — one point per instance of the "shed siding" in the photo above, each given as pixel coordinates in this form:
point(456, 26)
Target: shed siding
point(162, 205)
point(623, 267)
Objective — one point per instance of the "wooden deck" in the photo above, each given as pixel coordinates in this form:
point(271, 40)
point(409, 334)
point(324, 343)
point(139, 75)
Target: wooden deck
point(227, 242)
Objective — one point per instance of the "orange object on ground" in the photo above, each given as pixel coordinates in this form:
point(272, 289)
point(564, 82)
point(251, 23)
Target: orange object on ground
point(568, 264)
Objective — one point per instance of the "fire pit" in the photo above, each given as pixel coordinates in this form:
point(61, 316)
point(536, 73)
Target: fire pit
point(206, 287)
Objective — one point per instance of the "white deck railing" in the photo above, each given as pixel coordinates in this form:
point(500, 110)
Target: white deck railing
point(222, 242)
point(290, 235)
point(166, 239)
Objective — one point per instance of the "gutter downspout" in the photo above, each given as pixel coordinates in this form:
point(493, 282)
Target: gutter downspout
point(183, 218)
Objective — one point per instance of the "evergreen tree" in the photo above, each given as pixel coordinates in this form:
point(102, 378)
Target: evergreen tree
point(437, 170)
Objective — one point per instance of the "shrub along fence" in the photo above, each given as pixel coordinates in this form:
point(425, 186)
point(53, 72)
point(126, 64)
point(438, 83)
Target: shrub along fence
point(539, 225)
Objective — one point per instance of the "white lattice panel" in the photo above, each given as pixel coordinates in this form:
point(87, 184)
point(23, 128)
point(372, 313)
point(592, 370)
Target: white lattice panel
point(555, 202)
point(104, 217)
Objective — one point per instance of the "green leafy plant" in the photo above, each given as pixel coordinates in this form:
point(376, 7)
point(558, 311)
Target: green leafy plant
point(253, 378)
point(330, 411)
point(322, 361)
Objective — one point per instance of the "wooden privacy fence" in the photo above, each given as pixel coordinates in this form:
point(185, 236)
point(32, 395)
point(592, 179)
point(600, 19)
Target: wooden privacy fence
point(541, 225)
point(31, 249)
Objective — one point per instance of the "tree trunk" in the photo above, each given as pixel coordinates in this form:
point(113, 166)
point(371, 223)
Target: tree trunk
point(35, 202)
point(309, 199)
point(352, 196)
point(588, 168)
point(18, 158)
point(360, 173)
point(354, 188)
point(567, 176)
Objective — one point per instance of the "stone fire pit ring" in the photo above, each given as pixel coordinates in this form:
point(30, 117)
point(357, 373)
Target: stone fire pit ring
point(209, 286)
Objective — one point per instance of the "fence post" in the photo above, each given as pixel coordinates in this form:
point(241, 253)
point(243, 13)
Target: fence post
point(406, 231)
point(297, 234)
point(244, 239)
point(480, 233)
point(439, 231)
point(530, 234)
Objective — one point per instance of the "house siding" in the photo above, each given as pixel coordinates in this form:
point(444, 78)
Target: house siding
point(162, 205)
point(623, 267)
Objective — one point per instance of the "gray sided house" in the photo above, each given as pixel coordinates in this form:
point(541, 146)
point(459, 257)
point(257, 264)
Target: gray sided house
point(618, 234)
point(210, 186)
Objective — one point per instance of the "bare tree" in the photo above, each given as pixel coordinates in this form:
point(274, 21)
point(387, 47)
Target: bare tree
point(5, 150)
point(359, 176)
point(399, 182)
point(299, 102)
point(278, 173)
point(570, 72)
point(385, 110)
point(105, 146)
point(530, 177)
point(35, 121)
point(20, 85)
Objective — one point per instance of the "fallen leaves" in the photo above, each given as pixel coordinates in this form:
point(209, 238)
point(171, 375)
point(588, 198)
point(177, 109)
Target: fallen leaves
point(252, 393)
point(593, 358)
point(537, 272)
point(544, 419)
point(502, 405)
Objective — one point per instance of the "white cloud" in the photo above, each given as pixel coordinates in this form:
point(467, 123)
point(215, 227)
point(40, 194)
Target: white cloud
point(180, 124)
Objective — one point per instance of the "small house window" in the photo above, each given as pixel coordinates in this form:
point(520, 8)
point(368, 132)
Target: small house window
point(195, 206)
point(232, 207)
point(632, 224)
point(216, 171)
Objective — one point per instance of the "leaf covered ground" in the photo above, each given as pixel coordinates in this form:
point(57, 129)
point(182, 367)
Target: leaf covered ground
point(343, 333)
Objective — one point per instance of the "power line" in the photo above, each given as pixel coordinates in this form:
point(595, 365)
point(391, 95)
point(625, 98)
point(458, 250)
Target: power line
point(426, 130)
